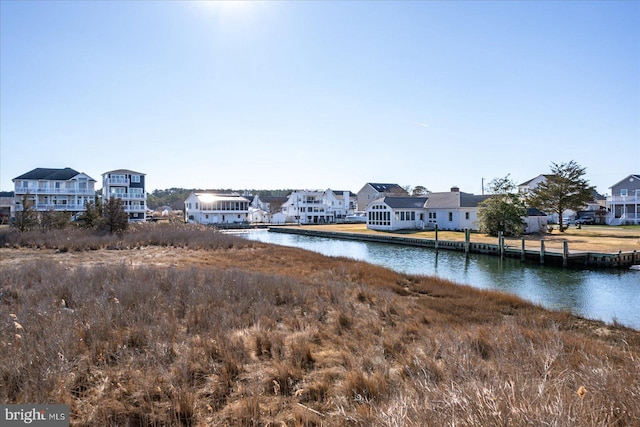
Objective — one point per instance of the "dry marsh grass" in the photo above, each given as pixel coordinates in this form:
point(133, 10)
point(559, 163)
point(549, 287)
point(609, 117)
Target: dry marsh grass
point(221, 331)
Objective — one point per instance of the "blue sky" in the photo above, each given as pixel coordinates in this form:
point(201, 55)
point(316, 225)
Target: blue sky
point(316, 95)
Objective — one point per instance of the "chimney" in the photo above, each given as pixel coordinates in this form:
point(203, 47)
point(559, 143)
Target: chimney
point(455, 189)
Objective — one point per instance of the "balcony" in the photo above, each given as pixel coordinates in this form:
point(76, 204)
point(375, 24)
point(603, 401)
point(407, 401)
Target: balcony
point(134, 209)
point(48, 190)
point(55, 207)
point(623, 200)
point(117, 181)
point(130, 196)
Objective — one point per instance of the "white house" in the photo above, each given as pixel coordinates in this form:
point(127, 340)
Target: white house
point(262, 208)
point(453, 210)
point(624, 203)
point(212, 208)
point(65, 190)
point(529, 185)
point(373, 191)
point(315, 207)
point(396, 213)
point(128, 186)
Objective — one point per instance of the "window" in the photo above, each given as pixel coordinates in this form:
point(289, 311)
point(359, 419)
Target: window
point(135, 178)
point(624, 192)
point(450, 216)
point(466, 215)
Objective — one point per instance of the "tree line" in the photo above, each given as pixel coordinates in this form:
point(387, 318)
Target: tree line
point(565, 188)
point(109, 216)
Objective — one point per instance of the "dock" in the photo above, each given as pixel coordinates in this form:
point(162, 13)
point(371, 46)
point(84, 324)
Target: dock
point(564, 258)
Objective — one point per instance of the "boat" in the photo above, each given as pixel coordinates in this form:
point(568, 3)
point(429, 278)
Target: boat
point(635, 267)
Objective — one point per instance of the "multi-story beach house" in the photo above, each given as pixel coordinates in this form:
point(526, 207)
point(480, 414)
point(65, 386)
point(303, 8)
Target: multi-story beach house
point(213, 208)
point(49, 189)
point(315, 207)
point(624, 203)
point(128, 186)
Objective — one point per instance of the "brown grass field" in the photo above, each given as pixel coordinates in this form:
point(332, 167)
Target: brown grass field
point(177, 325)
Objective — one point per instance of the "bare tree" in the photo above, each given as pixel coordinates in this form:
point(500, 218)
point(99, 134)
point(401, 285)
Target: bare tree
point(26, 217)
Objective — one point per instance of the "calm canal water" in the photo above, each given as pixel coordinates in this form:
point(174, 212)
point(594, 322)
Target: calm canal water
point(606, 295)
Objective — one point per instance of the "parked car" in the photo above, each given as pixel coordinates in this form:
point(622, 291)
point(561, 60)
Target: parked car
point(585, 220)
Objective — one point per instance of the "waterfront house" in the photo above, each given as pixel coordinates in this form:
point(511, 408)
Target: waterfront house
point(262, 208)
point(315, 207)
point(373, 191)
point(396, 213)
point(214, 208)
point(128, 186)
point(624, 203)
point(453, 210)
point(51, 189)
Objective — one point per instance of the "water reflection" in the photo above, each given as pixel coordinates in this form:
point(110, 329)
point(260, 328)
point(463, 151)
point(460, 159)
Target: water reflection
point(598, 294)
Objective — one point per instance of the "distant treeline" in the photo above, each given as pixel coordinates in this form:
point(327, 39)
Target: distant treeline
point(175, 197)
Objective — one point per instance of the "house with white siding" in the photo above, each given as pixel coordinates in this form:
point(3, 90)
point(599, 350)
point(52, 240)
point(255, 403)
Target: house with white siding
point(452, 210)
point(624, 203)
point(212, 208)
point(128, 186)
point(315, 207)
point(396, 213)
point(50, 189)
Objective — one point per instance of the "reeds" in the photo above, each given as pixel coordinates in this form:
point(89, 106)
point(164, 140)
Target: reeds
point(264, 335)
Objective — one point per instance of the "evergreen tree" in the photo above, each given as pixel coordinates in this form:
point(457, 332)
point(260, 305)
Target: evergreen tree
point(565, 189)
point(503, 210)
point(114, 217)
point(92, 214)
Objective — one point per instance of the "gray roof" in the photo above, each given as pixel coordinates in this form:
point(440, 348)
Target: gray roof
point(381, 188)
point(404, 202)
point(633, 175)
point(50, 174)
point(453, 199)
point(124, 172)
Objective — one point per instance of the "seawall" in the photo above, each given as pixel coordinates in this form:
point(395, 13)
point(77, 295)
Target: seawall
point(576, 259)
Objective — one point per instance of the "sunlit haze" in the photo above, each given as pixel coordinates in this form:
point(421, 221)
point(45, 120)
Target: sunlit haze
point(316, 95)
